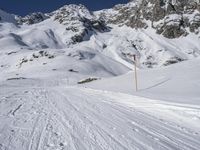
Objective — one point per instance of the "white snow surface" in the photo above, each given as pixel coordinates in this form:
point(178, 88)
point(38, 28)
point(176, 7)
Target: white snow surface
point(43, 108)
point(41, 114)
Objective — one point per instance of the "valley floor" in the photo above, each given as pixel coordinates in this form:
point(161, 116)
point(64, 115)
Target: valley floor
point(33, 117)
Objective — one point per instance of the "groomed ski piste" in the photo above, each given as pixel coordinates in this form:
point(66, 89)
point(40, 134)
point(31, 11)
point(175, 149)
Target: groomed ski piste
point(38, 114)
point(46, 102)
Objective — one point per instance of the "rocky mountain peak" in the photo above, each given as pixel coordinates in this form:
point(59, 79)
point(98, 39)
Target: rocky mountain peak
point(72, 12)
point(171, 18)
point(75, 26)
point(79, 20)
point(32, 18)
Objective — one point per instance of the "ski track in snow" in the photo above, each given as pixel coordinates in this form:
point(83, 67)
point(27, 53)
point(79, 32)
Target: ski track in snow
point(36, 61)
point(85, 119)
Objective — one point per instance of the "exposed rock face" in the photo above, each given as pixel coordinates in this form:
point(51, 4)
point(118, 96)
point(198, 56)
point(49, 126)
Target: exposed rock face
point(77, 15)
point(129, 14)
point(179, 15)
point(70, 25)
point(170, 18)
point(32, 18)
point(172, 26)
point(78, 19)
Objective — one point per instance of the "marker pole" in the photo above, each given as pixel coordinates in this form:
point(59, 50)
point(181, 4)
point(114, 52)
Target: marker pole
point(135, 68)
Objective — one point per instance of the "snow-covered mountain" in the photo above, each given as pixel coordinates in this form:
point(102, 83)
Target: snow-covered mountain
point(171, 18)
point(6, 17)
point(160, 32)
point(66, 79)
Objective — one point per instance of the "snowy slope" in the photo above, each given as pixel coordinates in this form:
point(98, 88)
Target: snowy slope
point(74, 25)
point(177, 83)
point(40, 117)
point(45, 104)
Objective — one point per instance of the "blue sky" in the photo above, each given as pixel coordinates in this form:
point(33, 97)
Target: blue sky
point(24, 7)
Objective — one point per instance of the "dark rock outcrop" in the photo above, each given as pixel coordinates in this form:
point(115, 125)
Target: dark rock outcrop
point(80, 21)
point(32, 18)
point(171, 18)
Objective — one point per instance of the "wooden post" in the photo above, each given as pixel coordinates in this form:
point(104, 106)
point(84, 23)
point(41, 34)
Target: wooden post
point(135, 68)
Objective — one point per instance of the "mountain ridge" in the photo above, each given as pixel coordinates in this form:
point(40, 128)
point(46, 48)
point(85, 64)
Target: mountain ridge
point(168, 17)
point(118, 33)
point(68, 79)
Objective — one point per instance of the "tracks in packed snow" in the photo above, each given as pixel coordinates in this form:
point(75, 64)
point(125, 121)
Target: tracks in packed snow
point(83, 119)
